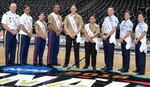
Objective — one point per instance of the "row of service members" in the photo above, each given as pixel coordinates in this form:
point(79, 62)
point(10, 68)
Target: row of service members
point(73, 25)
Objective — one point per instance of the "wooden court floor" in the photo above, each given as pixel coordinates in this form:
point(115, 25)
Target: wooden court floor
point(100, 60)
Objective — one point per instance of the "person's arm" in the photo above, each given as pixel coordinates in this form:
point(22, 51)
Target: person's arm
point(97, 32)
point(127, 34)
point(111, 32)
point(6, 27)
point(65, 26)
point(114, 25)
point(22, 26)
point(129, 28)
point(95, 35)
point(66, 29)
point(61, 24)
point(4, 23)
point(144, 30)
point(24, 29)
point(51, 26)
point(87, 36)
point(141, 36)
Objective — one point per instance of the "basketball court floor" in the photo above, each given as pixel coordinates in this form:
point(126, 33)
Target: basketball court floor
point(87, 75)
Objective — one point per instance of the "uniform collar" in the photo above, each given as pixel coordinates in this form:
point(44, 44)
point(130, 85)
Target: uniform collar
point(74, 15)
point(26, 14)
point(111, 16)
point(141, 22)
point(55, 13)
point(91, 24)
point(127, 20)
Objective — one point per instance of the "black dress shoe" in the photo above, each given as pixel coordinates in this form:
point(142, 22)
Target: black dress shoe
point(140, 73)
point(104, 68)
point(120, 69)
point(11, 64)
point(124, 70)
point(49, 65)
point(77, 66)
point(26, 64)
point(107, 69)
point(42, 64)
point(57, 64)
point(135, 71)
point(22, 64)
point(85, 67)
point(35, 64)
point(65, 65)
point(94, 69)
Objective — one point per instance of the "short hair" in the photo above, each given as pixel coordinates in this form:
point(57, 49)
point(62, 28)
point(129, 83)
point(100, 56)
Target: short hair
point(111, 7)
point(13, 4)
point(26, 6)
point(92, 16)
point(55, 4)
point(129, 12)
point(73, 5)
point(142, 14)
point(41, 12)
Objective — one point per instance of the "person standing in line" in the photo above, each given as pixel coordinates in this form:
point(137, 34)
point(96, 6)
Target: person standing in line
point(140, 45)
point(40, 39)
point(125, 39)
point(91, 32)
point(10, 22)
point(73, 25)
point(55, 26)
point(109, 38)
point(25, 33)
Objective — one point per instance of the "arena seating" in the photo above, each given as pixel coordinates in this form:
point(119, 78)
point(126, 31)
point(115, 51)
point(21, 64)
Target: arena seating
point(85, 8)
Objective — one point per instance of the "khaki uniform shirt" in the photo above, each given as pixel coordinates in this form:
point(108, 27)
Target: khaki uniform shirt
point(37, 28)
point(94, 28)
point(78, 20)
point(52, 21)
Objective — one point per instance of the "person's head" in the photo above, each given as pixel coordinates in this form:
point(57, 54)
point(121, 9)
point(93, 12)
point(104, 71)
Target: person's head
point(41, 16)
point(13, 7)
point(27, 9)
point(92, 19)
point(127, 15)
point(141, 17)
point(56, 8)
point(73, 8)
point(110, 11)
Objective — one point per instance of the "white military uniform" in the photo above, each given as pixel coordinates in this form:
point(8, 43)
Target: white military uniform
point(11, 20)
point(126, 26)
point(142, 27)
point(108, 23)
point(27, 21)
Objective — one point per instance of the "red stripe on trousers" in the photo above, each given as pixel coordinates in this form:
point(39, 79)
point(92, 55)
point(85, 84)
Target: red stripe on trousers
point(35, 41)
point(49, 47)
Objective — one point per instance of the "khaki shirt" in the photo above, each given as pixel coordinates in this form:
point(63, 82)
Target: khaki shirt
point(52, 21)
point(78, 20)
point(94, 28)
point(38, 28)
